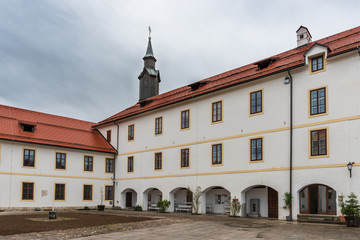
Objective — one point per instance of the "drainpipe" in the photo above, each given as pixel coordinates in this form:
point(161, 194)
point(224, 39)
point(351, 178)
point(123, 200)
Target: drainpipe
point(115, 155)
point(291, 137)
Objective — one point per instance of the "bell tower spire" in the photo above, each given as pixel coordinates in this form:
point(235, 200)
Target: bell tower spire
point(149, 77)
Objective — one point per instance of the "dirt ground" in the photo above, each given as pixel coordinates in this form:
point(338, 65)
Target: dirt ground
point(17, 224)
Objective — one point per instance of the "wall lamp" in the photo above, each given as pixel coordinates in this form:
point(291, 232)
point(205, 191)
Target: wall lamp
point(350, 166)
point(287, 80)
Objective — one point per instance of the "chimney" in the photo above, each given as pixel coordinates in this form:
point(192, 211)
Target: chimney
point(303, 36)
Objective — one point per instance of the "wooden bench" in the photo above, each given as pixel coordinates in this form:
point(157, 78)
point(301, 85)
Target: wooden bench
point(153, 207)
point(184, 208)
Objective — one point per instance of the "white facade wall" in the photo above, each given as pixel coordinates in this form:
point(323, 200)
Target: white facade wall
point(237, 175)
point(44, 176)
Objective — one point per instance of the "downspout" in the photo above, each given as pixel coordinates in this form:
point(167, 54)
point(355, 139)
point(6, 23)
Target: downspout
point(291, 137)
point(115, 157)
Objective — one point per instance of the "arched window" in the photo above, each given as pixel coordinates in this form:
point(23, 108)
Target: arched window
point(317, 199)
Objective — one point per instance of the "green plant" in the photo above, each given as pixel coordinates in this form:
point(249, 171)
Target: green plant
point(86, 208)
point(351, 207)
point(138, 208)
point(163, 205)
point(235, 206)
point(287, 200)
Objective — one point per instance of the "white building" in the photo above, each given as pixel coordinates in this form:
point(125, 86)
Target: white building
point(287, 123)
point(48, 160)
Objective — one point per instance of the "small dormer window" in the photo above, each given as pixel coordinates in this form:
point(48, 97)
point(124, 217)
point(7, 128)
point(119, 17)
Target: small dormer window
point(195, 86)
point(317, 63)
point(265, 63)
point(27, 127)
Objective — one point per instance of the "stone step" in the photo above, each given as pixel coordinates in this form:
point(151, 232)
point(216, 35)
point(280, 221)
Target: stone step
point(317, 218)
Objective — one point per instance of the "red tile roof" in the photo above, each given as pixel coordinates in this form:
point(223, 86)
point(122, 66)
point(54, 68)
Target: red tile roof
point(338, 43)
point(51, 130)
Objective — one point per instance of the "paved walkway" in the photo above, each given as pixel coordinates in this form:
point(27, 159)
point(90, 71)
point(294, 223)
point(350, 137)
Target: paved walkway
point(224, 227)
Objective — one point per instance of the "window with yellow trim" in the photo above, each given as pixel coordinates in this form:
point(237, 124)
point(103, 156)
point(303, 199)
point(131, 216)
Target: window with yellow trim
point(317, 63)
point(318, 142)
point(29, 158)
point(217, 154)
point(318, 101)
point(27, 191)
point(59, 191)
point(87, 194)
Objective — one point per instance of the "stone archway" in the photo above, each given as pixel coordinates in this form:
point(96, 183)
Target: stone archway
point(260, 201)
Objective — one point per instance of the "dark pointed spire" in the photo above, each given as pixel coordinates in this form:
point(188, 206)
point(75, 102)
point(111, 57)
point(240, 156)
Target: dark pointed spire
point(149, 77)
point(149, 50)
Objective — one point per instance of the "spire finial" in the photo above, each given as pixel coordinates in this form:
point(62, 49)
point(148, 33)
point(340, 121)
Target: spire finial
point(149, 32)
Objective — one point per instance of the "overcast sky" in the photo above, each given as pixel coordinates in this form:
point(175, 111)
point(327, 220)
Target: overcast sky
point(81, 58)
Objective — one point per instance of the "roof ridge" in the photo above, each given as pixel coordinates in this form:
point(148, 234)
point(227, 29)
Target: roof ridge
point(47, 114)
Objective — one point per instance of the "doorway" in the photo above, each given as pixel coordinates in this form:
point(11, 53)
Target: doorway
point(318, 199)
point(129, 199)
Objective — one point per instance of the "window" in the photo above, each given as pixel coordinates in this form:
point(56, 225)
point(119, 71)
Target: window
point(27, 127)
point(60, 160)
point(130, 164)
point(109, 168)
point(158, 161)
point(29, 158)
point(27, 191)
point(108, 193)
point(256, 102)
point(318, 142)
point(88, 163)
point(108, 136)
point(185, 158)
point(185, 119)
point(217, 112)
point(318, 101)
point(158, 125)
point(131, 132)
point(87, 194)
point(317, 63)
point(256, 149)
point(216, 154)
point(59, 191)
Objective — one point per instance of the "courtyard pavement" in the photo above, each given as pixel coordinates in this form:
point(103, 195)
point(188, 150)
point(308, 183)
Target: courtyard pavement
point(225, 227)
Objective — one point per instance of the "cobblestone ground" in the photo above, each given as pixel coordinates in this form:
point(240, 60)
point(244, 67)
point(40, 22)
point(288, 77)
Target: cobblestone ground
point(185, 226)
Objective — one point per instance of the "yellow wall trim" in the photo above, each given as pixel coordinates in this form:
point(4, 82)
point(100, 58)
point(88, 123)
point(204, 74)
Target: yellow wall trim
point(243, 171)
point(245, 135)
point(49, 175)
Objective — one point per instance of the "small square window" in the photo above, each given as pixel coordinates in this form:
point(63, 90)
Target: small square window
point(88, 163)
point(27, 127)
point(60, 161)
point(29, 158)
point(318, 139)
point(317, 63)
point(109, 168)
point(59, 191)
point(27, 191)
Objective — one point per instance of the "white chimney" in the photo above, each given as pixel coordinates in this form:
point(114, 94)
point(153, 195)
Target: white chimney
point(303, 36)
